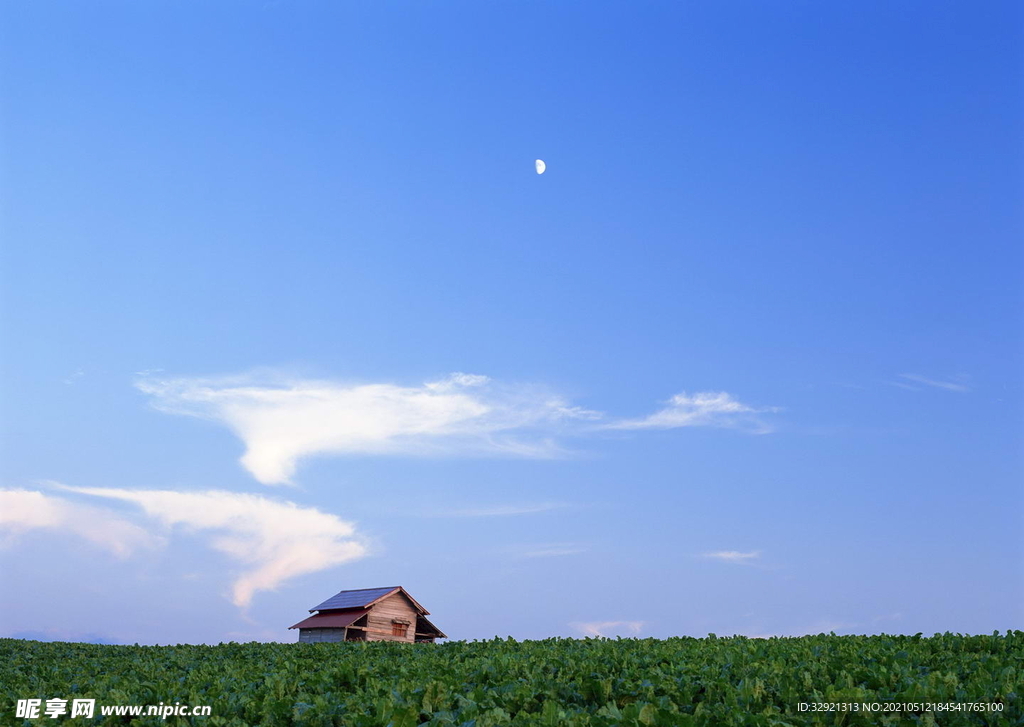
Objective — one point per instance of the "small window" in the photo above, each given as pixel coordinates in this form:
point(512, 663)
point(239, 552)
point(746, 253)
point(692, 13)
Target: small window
point(399, 629)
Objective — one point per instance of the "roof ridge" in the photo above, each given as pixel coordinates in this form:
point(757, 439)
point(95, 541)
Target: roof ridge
point(378, 588)
point(355, 597)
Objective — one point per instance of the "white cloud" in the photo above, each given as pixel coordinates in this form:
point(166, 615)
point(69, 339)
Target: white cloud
point(819, 626)
point(824, 626)
point(273, 540)
point(960, 384)
point(62, 634)
point(501, 510)
point(72, 378)
point(895, 616)
point(608, 628)
point(901, 385)
point(456, 380)
point(734, 556)
point(550, 550)
point(281, 421)
point(703, 409)
point(24, 510)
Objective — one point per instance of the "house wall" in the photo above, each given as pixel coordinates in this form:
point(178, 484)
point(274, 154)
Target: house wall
point(378, 627)
point(422, 627)
point(317, 636)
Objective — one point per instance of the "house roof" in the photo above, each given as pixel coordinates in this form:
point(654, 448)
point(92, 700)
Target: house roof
point(331, 620)
point(423, 626)
point(363, 598)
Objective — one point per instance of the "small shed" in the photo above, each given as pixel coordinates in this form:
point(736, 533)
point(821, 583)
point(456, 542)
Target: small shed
point(368, 614)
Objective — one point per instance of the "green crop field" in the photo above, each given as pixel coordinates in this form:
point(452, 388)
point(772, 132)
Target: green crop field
point(593, 682)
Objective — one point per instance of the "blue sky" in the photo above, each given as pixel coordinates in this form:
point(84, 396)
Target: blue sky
point(287, 310)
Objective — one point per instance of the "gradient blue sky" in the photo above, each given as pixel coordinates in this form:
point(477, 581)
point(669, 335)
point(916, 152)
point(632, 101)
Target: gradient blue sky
point(280, 228)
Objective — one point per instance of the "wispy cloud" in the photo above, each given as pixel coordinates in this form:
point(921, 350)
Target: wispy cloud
point(272, 540)
point(60, 634)
point(703, 409)
point(959, 384)
point(74, 377)
point(895, 616)
point(25, 510)
point(734, 556)
point(821, 626)
point(824, 626)
point(547, 550)
point(282, 421)
point(902, 385)
point(608, 628)
point(499, 510)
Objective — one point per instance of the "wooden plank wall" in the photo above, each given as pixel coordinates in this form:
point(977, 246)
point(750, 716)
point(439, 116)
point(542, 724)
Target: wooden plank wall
point(378, 626)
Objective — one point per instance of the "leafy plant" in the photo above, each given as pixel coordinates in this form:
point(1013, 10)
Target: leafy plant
point(550, 683)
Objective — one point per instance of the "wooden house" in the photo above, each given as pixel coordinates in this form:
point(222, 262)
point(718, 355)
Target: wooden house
point(369, 614)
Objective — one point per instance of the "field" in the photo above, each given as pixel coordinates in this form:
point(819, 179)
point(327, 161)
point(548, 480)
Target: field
point(556, 682)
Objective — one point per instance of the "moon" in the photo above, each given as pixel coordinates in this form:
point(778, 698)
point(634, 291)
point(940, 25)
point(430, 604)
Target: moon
point(541, 166)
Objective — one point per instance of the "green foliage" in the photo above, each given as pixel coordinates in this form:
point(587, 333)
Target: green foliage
point(678, 682)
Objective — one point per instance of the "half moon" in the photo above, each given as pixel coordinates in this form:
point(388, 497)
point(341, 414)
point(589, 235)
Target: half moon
point(541, 166)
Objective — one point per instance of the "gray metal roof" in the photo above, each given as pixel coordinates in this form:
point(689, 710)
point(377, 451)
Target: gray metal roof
point(353, 599)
